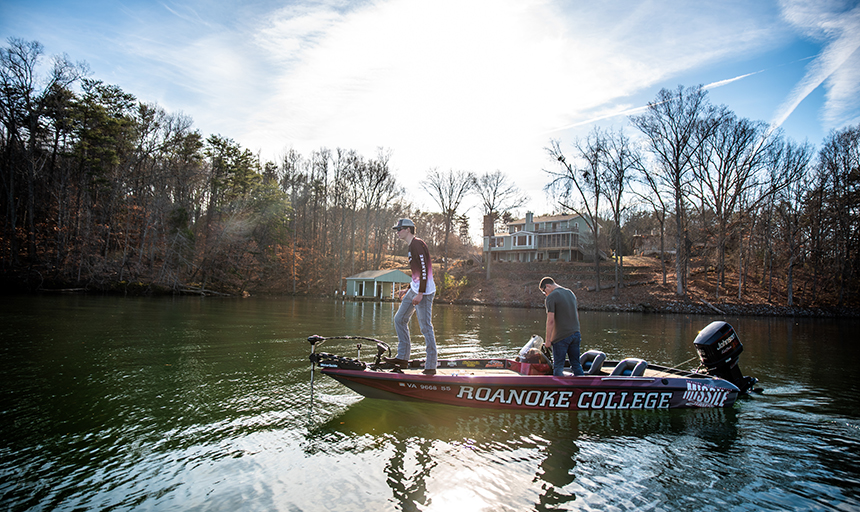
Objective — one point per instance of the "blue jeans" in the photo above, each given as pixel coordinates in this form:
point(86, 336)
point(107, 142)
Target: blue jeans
point(567, 347)
point(401, 325)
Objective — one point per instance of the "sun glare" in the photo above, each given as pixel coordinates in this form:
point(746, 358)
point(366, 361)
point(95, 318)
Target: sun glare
point(458, 500)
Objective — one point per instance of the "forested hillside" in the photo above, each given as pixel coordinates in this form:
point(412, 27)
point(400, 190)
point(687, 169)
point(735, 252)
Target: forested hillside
point(103, 191)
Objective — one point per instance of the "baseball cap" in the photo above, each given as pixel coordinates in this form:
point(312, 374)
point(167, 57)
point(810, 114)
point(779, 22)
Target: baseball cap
point(403, 223)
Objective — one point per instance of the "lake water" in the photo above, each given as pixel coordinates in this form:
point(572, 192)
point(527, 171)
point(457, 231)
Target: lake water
point(182, 404)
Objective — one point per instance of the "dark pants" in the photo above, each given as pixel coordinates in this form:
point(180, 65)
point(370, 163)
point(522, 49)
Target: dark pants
point(567, 347)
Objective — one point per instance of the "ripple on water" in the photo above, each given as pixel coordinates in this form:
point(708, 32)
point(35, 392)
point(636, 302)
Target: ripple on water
point(206, 405)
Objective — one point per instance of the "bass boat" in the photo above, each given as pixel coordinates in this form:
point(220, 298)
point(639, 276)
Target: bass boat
point(526, 381)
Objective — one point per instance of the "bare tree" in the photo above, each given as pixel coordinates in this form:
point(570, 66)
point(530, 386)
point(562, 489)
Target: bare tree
point(498, 197)
point(728, 162)
point(672, 127)
point(579, 189)
point(24, 103)
point(448, 190)
point(292, 184)
point(653, 195)
point(343, 197)
point(621, 160)
point(816, 218)
point(793, 163)
point(840, 157)
point(376, 187)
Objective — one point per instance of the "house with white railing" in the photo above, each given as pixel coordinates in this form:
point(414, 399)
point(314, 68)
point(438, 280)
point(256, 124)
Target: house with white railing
point(547, 238)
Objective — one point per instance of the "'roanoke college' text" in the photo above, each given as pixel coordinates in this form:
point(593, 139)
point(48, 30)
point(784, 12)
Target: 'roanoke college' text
point(562, 399)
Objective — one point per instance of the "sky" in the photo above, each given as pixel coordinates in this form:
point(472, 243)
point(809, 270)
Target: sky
point(463, 85)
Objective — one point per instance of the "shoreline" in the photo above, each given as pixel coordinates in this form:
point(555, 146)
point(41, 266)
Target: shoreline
point(515, 285)
point(688, 306)
point(685, 308)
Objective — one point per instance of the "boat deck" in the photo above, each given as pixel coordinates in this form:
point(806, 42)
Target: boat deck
point(650, 373)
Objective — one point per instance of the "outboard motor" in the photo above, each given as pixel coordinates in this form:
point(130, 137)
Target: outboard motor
point(719, 349)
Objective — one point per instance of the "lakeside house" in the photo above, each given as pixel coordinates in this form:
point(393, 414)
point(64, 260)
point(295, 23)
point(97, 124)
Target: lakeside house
point(547, 238)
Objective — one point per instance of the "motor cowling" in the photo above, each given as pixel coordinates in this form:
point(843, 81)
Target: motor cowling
point(719, 349)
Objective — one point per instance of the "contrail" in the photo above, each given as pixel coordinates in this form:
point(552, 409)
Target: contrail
point(720, 83)
point(845, 42)
point(831, 59)
point(600, 118)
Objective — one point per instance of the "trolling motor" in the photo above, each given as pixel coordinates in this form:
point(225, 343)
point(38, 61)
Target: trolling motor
point(326, 360)
point(719, 349)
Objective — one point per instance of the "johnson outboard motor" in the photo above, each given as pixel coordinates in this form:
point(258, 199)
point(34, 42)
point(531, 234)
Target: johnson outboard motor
point(719, 349)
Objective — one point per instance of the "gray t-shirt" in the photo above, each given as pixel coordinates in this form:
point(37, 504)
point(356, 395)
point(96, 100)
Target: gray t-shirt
point(562, 302)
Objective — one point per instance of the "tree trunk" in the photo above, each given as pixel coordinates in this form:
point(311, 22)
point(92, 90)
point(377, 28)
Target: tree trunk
point(790, 282)
point(679, 251)
point(663, 249)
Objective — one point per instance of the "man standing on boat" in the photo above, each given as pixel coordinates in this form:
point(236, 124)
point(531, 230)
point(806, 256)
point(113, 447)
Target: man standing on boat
point(418, 298)
point(562, 326)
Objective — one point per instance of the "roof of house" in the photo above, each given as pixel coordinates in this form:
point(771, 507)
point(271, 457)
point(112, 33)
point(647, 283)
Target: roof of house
point(546, 218)
point(389, 276)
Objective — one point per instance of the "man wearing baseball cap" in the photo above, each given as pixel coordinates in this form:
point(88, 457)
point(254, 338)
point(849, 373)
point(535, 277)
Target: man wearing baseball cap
point(417, 299)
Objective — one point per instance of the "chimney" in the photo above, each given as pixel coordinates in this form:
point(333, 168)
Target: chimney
point(488, 225)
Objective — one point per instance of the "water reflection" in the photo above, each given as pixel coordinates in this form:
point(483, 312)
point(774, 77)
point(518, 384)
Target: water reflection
point(556, 471)
point(408, 471)
point(424, 444)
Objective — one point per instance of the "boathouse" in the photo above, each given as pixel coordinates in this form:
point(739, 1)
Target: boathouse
point(375, 284)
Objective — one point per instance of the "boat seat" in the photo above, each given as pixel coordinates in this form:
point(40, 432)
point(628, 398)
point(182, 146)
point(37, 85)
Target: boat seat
point(592, 361)
point(631, 367)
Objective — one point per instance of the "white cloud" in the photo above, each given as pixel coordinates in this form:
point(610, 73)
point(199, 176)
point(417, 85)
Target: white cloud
point(838, 65)
point(477, 84)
